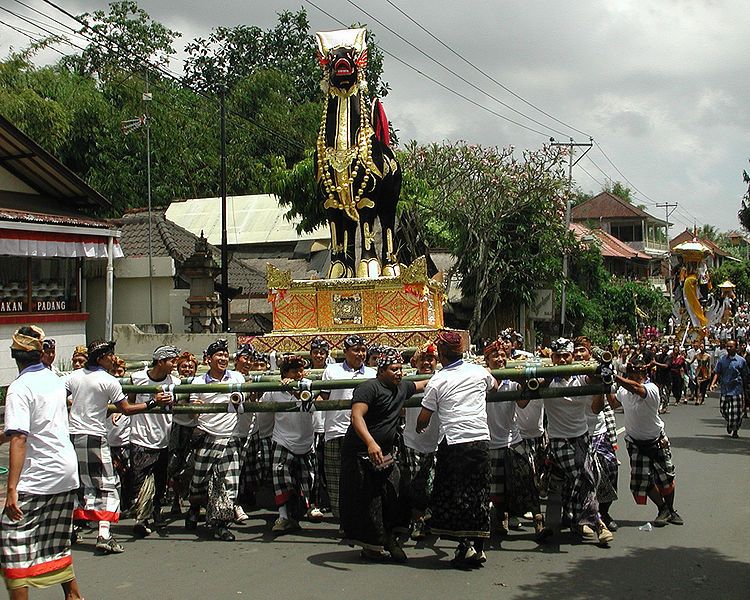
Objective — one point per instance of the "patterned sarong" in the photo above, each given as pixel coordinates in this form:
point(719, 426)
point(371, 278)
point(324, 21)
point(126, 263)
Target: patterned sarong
point(35, 551)
point(293, 478)
point(572, 459)
point(461, 491)
point(650, 465)
point(605, 465)
point(417, 477)
point(512, 486)
point(731, 409)
point(98, 496)
point(216, 478)
point(332, 462)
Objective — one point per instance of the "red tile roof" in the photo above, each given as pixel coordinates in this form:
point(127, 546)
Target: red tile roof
point(609, 245)
point(688, 235)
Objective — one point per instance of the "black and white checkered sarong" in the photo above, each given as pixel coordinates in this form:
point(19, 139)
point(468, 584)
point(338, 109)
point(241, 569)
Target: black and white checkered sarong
point(731, 409)
point(417, 476)
point(256, 465)
point(573, 459)
point(650, 465)
point(216, 477)
point(609, 419)
point(512, 485)
point(293, 478)
point(39, 543)
point(98, 496)
point(332, 465)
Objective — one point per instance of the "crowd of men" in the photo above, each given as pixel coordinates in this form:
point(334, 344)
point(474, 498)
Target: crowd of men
point(450, 466)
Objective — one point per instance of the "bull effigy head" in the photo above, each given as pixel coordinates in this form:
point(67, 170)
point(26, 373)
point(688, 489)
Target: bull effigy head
point(343, 56)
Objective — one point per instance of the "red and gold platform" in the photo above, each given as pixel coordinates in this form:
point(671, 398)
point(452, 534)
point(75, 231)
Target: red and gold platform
point(403, 311)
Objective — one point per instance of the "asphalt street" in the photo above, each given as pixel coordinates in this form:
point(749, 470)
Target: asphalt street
point(706, 558)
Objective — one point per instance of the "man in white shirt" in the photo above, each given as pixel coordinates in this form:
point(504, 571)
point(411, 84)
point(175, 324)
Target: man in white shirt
point(417, 457)
point(337, 421)
point(605, 459)
point(457, 395)
point(293, 465)
point(652, 473)
point(570, 451)
point(149, 440)
point(181, 442)
point(218, 454)
point(320, 353)
point(37, 522)
point(513, 491)
point(92, 390)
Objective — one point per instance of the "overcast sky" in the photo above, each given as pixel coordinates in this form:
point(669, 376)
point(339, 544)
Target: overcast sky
point(661, 86)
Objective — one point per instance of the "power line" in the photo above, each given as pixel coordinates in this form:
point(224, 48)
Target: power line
point(31, 8)
point(29, 35)
point(488, 76)
point(452, 72)
point(432, 79)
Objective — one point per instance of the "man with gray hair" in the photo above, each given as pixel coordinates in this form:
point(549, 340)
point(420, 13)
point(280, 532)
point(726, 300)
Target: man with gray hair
point(149, 439)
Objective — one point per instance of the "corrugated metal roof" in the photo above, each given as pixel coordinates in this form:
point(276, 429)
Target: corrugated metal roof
point(257, 219)
point(37, 168)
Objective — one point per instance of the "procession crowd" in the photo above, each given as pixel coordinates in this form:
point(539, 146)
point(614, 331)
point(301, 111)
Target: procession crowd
point(465, 458)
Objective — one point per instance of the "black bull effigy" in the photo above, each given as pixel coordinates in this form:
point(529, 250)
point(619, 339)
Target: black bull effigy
point(358, 177)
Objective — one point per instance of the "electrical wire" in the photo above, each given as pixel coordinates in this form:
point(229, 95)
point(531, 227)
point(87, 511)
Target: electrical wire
point(432, 79)
point(452, 72)
point(487, 75)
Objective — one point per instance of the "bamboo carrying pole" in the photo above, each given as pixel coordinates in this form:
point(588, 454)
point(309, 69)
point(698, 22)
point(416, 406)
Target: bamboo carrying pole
point(528, 373)
point(416, 400)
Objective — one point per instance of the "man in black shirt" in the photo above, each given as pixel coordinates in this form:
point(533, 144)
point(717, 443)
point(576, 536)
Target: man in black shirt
point(369, 474)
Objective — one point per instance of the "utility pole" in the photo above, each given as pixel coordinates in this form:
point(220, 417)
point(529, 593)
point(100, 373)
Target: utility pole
point(571, 145)
point(669, 208)
point(147, 96)
point(224, 253)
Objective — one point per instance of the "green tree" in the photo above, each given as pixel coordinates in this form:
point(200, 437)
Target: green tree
point(501, 217)
point(124, 39)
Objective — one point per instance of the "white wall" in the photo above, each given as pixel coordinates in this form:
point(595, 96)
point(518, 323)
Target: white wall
point(67, 336)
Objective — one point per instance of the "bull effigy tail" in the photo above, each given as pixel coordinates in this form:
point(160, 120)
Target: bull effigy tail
point(380, 122)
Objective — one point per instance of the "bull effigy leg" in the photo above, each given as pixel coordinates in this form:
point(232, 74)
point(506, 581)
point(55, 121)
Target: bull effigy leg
point(369, 265)
point(387, 215)
point(343, 231)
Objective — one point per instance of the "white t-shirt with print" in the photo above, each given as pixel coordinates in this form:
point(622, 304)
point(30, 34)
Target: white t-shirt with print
point(457, 394)
point(336, 422)
point(118, 433)
point(221, 424)
point(36, 405)
point(92, 390)
point(150, 430)
point(292, 430)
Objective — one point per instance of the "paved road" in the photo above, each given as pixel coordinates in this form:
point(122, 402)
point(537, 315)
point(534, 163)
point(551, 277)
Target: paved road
point(705, 558)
